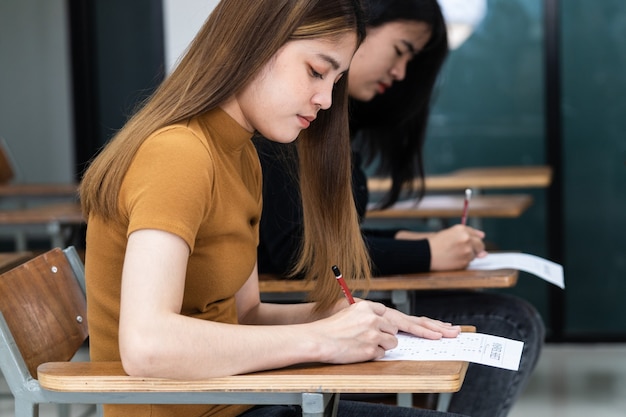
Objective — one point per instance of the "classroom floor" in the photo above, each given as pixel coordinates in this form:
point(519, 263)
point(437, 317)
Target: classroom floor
point(570, 381)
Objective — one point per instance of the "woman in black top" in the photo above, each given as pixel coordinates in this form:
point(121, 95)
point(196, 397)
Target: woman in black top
point(391, 80)
point(392, 77)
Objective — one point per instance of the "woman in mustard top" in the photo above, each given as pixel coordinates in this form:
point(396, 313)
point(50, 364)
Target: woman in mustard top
point(173, 205)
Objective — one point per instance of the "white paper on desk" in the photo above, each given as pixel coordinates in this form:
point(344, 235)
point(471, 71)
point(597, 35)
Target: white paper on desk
point(480, 348)
point(549, 271)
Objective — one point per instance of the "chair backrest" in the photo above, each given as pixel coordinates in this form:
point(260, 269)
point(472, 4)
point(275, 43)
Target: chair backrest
point(43, 311)
point(7, 173)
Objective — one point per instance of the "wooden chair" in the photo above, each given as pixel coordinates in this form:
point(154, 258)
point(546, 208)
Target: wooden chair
point(6, 164)
point(43, 323)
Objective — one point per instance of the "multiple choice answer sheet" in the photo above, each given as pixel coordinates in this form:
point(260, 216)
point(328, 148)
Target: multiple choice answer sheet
point(549, 271)
point(480, 348)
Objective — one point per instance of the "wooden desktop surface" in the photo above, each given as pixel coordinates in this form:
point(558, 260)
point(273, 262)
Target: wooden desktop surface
point(442, 280)
point(366, 377)
point(68, 213)
point(448, 206)
point(38, 190)
point(479, 178)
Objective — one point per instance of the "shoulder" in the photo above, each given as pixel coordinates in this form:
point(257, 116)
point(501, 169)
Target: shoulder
point(181, 139)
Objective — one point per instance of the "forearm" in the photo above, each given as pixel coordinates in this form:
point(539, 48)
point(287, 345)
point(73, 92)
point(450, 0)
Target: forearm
point(181, 347)
point(394, 256)
point(283, 314)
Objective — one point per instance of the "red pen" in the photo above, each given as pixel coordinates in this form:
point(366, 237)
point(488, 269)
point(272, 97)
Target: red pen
point(342, 283)
point(468, 195)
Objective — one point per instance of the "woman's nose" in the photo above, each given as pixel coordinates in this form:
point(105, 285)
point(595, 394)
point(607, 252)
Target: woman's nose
point(323, 99)
point(398, 71)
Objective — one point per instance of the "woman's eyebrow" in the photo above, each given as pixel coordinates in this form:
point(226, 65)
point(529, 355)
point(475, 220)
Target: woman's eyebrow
point(410, 47)
point(332, 61)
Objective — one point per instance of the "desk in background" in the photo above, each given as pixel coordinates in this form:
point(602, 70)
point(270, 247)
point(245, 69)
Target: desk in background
point(395, 287)
point(38, 190)
point(478, 179)
point(451, 206)
point(51, 215)
point(57, 219)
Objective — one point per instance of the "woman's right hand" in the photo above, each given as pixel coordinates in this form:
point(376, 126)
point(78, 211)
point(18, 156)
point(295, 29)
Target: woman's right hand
point(358, 333)
point(366, 329)
point(455, 247)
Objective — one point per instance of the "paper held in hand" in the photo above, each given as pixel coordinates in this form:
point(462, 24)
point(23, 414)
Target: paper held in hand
point(547, 270)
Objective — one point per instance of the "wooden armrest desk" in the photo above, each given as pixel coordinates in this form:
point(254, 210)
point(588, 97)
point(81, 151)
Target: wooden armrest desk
point(396, 287)
point(314, 386)
point(479, 178)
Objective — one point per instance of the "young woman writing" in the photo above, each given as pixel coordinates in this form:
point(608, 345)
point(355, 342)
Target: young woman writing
point(173, 205)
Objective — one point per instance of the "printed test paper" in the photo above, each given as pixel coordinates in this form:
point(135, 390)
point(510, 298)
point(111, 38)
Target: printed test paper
point(479, 348)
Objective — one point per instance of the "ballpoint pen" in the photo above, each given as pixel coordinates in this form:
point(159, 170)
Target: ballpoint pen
point(342, 283)
point(468, 196)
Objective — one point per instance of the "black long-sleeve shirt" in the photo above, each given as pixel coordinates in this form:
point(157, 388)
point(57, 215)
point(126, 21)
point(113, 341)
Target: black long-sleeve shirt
point(281, 227)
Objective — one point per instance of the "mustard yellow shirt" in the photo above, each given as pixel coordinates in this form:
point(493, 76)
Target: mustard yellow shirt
point(200, 180)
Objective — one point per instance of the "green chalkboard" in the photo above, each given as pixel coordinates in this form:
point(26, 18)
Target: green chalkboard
point(490, 111)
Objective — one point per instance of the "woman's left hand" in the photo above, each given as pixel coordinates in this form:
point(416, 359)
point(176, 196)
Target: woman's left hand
point(421, 326)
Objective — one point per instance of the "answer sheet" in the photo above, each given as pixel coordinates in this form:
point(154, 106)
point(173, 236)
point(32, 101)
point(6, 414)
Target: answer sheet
point(480, 348)
point(548, 270)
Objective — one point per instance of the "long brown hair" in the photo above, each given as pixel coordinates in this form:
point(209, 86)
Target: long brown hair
point(235, 42)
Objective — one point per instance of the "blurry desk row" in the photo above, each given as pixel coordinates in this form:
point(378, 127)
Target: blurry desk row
point(58, 222)
point(60, 219)
point(450, 206)
point(38, 190)
point(478, 179)
point(395, 288)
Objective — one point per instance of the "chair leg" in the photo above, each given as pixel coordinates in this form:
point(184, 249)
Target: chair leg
point(319, 405)
point(443, 401)
point(25, 408)
point(404, 399)
point(64, 410)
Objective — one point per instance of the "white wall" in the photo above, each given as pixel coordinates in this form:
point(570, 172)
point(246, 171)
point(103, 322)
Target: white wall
point(35, 79)
point(35, 101)
point(182, 20)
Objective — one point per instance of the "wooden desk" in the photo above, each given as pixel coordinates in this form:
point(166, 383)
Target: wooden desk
point(396, 287)
point(38, 190)
point(450, 206)
point(313, 386)
point(55, 217)
point(376, 376)
point(479, 178)
point(443, 280)
point(21, 193)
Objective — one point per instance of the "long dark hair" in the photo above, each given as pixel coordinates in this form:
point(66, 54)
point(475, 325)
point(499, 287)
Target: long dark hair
point(390, 129)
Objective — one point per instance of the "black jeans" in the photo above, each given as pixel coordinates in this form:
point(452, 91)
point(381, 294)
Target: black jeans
point(488, 391)
point(347, 409)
